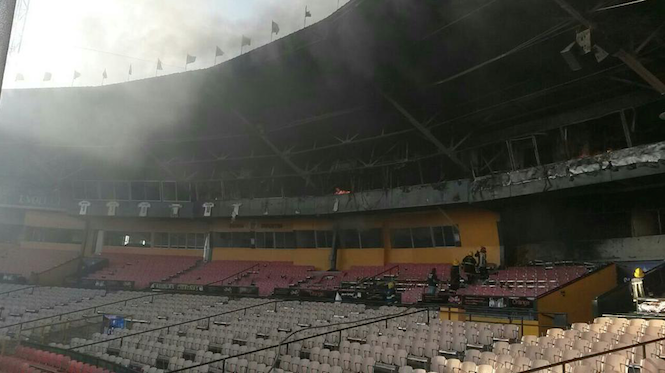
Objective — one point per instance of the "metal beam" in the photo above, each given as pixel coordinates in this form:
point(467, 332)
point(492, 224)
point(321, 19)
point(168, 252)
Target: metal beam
point(583, 114)
point(627, 58)
point(642, 71)
point(426, 132)
point(261, 134)
point(7, 8)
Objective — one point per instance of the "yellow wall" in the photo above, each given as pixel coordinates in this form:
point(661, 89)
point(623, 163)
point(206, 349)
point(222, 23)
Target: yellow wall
point(149, 225)
point(151, 251)
point(477, 228)
point(319, 258)
point(346, 258)
point(576, 298)
point(49, 219)
point(50, 246)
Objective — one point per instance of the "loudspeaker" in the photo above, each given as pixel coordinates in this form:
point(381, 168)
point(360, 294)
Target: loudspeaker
point(568, 54)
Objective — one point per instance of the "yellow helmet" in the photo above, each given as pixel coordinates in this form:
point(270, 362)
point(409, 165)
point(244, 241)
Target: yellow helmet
point(391, 285)
point(455, 262)
point(639, 273)
point(471, 253)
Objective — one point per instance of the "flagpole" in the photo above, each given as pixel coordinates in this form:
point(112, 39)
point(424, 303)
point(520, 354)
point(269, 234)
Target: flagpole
point(304, 20)
point(271, 31)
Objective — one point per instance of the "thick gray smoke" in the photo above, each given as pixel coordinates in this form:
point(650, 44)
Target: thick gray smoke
point(111, 35)
point(90, 36)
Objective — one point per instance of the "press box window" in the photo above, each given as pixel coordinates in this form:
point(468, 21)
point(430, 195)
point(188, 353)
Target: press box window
point(305, 239)
point(401, 238)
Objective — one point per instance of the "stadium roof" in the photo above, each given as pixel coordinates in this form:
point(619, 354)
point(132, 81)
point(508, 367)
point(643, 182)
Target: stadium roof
point(361, 100)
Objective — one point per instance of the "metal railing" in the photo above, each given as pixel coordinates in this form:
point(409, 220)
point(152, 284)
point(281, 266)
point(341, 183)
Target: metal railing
point(235, 274)
point(20, 289)
point(94, 308)
point(373, 277)
point(167, 327)
point(360, 323)
point(562, 364)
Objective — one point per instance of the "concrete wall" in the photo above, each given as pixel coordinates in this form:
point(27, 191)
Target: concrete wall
point(617, 249)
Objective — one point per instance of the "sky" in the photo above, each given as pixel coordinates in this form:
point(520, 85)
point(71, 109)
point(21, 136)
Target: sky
point(90, 36)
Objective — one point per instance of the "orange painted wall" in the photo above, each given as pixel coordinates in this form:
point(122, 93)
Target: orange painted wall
point(319, 258)
point(149, 225)
point(151, 251)
point(50, 246)
point(346, 258)
point(576, 298)
point(477, 227)
point(50, 219)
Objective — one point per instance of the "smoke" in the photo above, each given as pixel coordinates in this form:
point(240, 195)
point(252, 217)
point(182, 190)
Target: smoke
point(90, 36)
point(93, 36)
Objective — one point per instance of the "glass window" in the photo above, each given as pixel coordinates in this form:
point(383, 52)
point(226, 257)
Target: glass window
point(152, 191)
point(183, 191)
point(222, 239)
point(349, 238)
point(121, 190)
point(168, 191)
point(215, 189)
point(78, 190)
point(439, 240)
point(279, 240)
point(77, 236)
point(371, 238)
point(401, 238)
point(241, 239)
point(289, 240)
point(200, 240)
point(202, 191)
point(324, 239)
point(177, 240)
point(114, 238)
point(138, 190)
point(270, 240)
point(260, 240)
point(106, 190)
point(422, 237)
point(191, 240)
point(161, 239)
point(458, 238)
point(91, 190)
point(448, 236)
point(305, 239)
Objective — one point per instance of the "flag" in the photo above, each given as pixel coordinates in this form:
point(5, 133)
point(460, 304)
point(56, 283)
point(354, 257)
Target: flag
point(190, 59)
point(47, 77)
point(104, 74)
point(130, 69)
point(76, 74)
point(307, 12)
point(19, 77)
point(275, 28)
point(245, 41)
point(159, 65)
point(218, 52)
